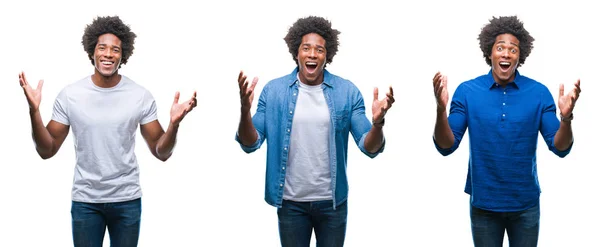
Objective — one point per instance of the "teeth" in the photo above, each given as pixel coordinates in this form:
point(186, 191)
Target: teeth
point(505, 63)
point(311, 63)
point(107, 63)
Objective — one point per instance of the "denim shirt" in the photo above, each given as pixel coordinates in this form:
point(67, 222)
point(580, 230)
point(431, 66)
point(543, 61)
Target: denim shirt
point(503, 133)
point(273, 122)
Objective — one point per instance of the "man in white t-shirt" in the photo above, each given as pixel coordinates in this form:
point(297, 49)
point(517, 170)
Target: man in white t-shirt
point(105, 110)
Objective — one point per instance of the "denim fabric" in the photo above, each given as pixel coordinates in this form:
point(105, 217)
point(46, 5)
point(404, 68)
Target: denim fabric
point(298, 219)
point(90, 220)
point(273, 122)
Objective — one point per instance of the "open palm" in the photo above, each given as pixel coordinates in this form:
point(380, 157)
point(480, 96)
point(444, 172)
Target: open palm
point(380, 107)
point(178, 111)
point(34, 96)
point(566, 103)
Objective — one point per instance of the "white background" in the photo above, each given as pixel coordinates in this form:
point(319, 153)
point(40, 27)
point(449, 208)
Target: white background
point(210, 193)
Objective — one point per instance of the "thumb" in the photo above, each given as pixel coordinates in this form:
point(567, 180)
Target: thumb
point(40, 85)
point(176, 98)
point(561, 90)
point(375, 94)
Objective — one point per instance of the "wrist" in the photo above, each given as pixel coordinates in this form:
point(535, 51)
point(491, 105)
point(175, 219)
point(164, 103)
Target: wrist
point(566, 118)
point(380, 123)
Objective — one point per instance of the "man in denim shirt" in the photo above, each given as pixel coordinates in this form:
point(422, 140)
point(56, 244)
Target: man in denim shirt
point(306, 117)
point(504, 112)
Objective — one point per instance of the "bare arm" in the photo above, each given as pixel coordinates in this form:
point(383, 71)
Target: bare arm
point(442, 133)
point(246, 131)
point(47, 139)
point(162, 143)
point(566, 104)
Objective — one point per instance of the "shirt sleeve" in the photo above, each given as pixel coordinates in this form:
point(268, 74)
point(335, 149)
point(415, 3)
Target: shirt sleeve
point(258, 120)
point(457, 119)
point(148, 109)
point(60, 109)
point(550, 123)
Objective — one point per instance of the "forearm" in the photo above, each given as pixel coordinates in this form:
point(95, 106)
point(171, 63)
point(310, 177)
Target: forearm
point(44, 142)
point(564, 136)
point(246, 131)
point(442, 133)
point(374, 139)
point(166, 143)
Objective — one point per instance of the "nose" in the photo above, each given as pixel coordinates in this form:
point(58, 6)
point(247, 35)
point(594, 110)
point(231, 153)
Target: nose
point(312, 53)
point(505, 53)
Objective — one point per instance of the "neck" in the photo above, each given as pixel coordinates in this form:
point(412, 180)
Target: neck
point(106, 81)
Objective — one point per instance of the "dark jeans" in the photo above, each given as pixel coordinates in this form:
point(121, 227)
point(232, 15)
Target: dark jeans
point(90, 220)
point(522, 227)
point(298, 219)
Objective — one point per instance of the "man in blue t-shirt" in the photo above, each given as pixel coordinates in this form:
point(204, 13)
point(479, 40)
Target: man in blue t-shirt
point(504, 111)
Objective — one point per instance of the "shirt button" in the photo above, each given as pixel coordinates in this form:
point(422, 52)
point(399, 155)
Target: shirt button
point(290, 112)
point(505, 92)
point(503, 103)
point(280, 185)
point(285, 149)
point(503, 115)
point(288, 130)
point(294, 94)
point(283, 168)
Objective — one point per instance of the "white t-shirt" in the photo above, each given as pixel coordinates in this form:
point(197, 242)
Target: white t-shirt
point(308, 174)
point(104, 122)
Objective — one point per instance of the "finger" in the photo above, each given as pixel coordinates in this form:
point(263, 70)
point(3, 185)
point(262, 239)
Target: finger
point(176, 100)
point(578, 86)
point(241, 79)
point(40, 85)
point(240, 75)
point(375, 93)
point(389, 101)
point(561, 90)
point(254, 82)
point(244, 89)
point(391, 92)
point(391, 98)
point(22, 80)
point(437, 75)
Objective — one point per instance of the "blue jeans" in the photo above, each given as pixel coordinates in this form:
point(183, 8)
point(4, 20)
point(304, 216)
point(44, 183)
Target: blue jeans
point(522, 227)
point(298, 219)
point(90, 220)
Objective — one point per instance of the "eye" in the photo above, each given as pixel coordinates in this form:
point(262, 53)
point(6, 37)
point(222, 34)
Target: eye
point(101, 48)
point(499, 48)
point(320, 51)
point(304, 48)
point(116, 50)
point(513, 50)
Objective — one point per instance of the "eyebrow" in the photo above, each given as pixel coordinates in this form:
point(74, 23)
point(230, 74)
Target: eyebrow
point(318, 46)
point(502, 41)
point(112, 46)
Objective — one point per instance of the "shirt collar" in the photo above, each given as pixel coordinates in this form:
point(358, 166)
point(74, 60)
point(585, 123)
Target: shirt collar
point(515, 82)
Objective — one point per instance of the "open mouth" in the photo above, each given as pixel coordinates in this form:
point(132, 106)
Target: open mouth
point(311, 67)
point(504, 66)
point(107, 63)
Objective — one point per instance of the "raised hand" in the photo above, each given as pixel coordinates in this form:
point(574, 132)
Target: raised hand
point(34, 96)
point(440, 90)
point(178, 111)
point(380, 107)
point(566, 103)
point(246, 91)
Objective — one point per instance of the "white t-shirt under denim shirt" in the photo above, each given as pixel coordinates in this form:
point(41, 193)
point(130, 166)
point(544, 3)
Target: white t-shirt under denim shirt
point(104, 122)
point(308, 176)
